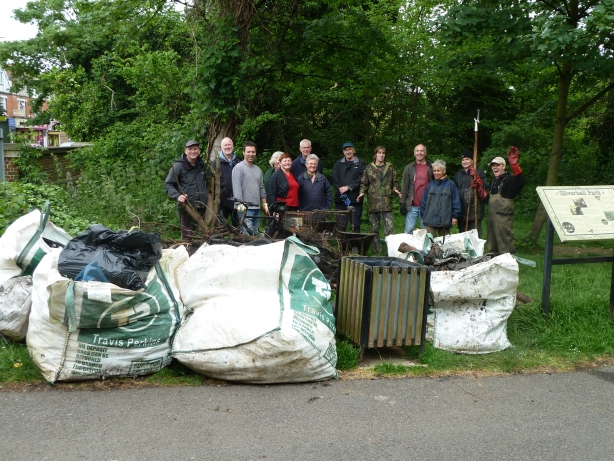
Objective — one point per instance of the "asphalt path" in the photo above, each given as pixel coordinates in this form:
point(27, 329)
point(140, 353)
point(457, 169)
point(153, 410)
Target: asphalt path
point(561, 416)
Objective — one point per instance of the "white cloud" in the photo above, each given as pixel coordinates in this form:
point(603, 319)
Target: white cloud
point(11, 29)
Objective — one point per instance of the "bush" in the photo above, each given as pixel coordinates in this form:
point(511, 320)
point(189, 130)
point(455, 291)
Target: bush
point(19, 198)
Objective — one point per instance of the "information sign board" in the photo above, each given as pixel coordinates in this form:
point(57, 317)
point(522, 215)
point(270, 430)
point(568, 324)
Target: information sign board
point(580, 212)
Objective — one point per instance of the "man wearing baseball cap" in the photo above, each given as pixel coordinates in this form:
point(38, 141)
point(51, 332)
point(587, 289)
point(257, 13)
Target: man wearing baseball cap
point(500, 198)
point(185, 183)
point(347, 174)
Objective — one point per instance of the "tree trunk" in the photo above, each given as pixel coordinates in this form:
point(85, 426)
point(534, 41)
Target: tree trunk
point(240, 13)
point(560, 121)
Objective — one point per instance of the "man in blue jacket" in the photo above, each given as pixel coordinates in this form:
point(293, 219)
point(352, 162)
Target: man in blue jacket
point(440, 206)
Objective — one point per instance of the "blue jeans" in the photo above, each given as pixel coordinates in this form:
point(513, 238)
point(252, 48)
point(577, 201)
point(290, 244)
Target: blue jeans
point(412, 216)
point(250, 225)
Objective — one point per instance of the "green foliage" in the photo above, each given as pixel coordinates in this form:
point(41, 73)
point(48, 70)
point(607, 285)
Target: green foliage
point(219, 79)
point(176, 374)
point(347, 355)
point(390, 369)
point(16, 365)
point(127, 189)
point(29, 169)
point(375, 73)
point(19, 198)
point(537, 31)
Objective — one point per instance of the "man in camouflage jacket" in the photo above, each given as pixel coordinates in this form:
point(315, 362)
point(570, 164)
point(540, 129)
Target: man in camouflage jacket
point(379, 182)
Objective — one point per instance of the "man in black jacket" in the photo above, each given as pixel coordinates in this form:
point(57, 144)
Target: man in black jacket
point(463, 179)
point(347, 174)
point(186, 183)
point(227, 161)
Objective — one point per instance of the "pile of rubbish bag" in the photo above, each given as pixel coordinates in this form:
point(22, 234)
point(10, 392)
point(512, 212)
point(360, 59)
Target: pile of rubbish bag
point(115, 304)
point(22, 246)
point(472, 294)
point(453, 252)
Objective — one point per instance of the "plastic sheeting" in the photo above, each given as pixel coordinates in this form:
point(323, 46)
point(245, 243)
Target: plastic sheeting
point(124, 257)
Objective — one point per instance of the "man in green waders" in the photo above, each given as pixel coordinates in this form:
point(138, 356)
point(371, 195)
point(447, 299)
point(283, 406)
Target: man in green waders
point(500, 198)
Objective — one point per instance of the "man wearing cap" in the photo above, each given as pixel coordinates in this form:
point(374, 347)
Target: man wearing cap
point(299, 164)
point(415, 178)
point(347, 174)
point(463, 179)
point(500, 198)
point(185, 183)
point(248, 186)
point(227, 161)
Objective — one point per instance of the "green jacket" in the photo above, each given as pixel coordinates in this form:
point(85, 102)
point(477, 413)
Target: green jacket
point(379, 183)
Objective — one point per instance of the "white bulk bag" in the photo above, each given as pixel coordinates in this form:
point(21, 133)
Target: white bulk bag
point(394, 240)
point(15, 303)
point(472, 306)
point(261, 314)
point(90, 330)
point(464, 241)
point(22, 245)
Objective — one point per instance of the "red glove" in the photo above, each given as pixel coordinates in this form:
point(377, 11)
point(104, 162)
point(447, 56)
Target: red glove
point(478, 185)
point(471, 171)
point(512, 157)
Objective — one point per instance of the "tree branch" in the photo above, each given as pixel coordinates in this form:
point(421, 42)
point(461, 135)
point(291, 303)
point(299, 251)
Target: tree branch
point(589, 103)
point(555, 8)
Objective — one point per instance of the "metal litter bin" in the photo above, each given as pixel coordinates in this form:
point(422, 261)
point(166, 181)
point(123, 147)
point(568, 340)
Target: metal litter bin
point(382, 302)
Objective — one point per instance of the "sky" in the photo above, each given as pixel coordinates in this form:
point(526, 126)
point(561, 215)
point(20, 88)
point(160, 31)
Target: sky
point(10, 29)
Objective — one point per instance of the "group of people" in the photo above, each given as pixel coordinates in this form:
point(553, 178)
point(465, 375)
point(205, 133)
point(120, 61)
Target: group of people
point(437, 203)
point(428, 198)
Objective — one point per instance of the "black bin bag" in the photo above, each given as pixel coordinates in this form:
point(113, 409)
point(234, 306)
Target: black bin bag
point(125, 257)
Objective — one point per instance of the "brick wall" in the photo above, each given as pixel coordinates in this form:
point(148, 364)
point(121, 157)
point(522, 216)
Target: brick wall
point(11, 173)
point(48, 165)
point(46, 161)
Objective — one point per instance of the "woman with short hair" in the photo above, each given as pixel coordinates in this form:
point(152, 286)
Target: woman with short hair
point(274, 166)
point(440, 207)
point(314, 192)
point(282, 185)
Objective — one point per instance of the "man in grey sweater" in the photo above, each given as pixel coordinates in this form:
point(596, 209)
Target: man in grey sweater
point(247, 186)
